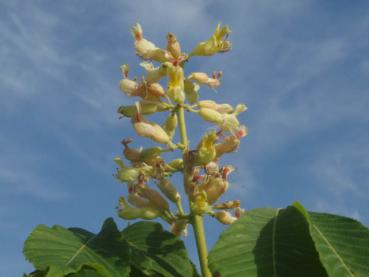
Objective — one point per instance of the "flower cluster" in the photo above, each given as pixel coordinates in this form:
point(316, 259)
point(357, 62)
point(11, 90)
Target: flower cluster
point(147, 175)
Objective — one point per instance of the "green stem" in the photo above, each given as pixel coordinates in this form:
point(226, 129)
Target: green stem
point(197, 222)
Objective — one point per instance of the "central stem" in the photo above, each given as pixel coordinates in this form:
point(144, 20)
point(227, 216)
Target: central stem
point(197, 222)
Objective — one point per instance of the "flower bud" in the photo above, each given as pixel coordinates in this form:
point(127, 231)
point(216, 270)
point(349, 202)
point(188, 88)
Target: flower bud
point(170, 124)
point(211, 116)
point(146, 108)
point(167, 188)
point(155, 198)
point(176, 84)
point(155, 89)
point(179, 227)
point(225, 217)
point(227, 205)
point(191, 90)
point(173, 45)
point(217, 43)
point(130, 87)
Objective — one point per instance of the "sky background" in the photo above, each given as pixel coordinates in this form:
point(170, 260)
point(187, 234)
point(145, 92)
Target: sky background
point(301, 67)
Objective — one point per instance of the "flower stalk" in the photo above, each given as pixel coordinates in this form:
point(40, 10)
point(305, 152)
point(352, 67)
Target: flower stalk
point(197, 222)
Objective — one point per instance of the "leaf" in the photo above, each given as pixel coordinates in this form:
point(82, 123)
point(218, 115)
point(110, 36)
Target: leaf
point(267, 242)
point(342, 243)
point(75, 252)
point(153, 250)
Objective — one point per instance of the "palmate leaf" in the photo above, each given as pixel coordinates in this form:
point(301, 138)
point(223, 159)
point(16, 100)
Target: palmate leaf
point(342, 243)
point(267, 242)
point(142, 247)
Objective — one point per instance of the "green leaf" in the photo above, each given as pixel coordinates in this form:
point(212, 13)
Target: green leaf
point(143, 246)
point(342, 243)
point(267, 242)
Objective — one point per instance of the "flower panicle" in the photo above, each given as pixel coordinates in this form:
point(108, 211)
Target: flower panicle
point(164, 88)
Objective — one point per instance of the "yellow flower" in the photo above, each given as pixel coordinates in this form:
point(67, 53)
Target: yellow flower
point(205, 150)
point(217, 43)
point(176, 84)
point(146, 49)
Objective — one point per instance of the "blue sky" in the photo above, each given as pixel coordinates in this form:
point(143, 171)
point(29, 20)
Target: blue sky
point(301, 67)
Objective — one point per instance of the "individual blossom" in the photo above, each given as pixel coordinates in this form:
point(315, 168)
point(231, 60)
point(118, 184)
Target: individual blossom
point(176, 84)
point(154, 74)
point(149, 129)
point(210, 104)
point(146, 49)
point(128, 86)
point(128, 212)
point(153, 196)
point(128, 174)
point(147, 108)
point(205, 152)
point(203, 79)
point(217, 43)
point(230, 143)
point(226, 121)
point(216, 185)
point(225, 217)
